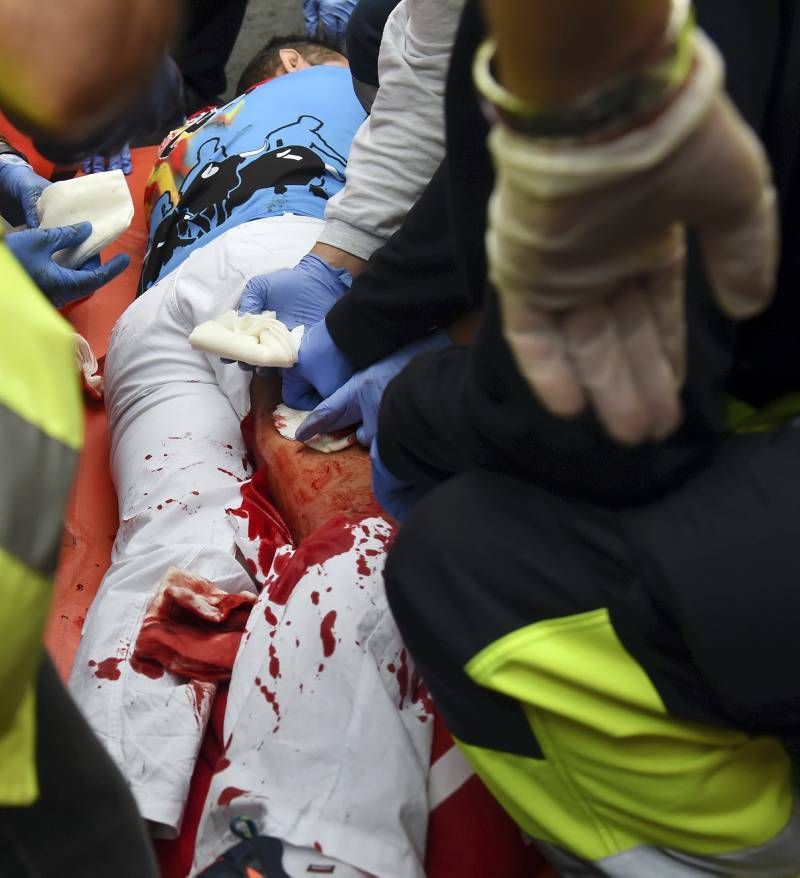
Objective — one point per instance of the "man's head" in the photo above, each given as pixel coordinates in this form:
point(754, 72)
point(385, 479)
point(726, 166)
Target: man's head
point(289, 54)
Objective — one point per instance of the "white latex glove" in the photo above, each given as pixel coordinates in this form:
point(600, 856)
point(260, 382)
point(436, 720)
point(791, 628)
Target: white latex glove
point(586, 250)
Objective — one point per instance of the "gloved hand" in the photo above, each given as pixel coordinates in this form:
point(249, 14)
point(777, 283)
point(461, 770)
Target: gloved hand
point(20, 188)
point(586, 251)
point(331, 15)
point(397, 497)
point(118, 161)
point(360, 398)
point(34, 249)
point(302, 295)
point(321, 369)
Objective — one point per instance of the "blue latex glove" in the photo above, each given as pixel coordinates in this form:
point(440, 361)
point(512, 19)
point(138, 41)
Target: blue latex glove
point(321, 369)
point(397, 497)
point(331, 16)
point(34, 249)
point(360, 398)
point(118, 161)
point(302, 295)
point(20, 188)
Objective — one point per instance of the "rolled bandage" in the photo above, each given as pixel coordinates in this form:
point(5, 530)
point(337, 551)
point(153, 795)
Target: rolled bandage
point(103, 200)
point(256, 339)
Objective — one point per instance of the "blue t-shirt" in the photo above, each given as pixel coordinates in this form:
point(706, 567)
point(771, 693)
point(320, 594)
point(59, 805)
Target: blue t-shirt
point(280, 148)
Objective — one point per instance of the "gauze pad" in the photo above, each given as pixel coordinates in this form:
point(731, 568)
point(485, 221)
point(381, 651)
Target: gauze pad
point(256, 339)
point(103, 200)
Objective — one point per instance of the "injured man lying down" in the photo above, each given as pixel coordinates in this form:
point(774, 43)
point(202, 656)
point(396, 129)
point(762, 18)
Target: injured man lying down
point(326, 754)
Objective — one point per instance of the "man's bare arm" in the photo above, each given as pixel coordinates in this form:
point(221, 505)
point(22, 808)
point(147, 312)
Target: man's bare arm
point(68, 67)
point(551, 51)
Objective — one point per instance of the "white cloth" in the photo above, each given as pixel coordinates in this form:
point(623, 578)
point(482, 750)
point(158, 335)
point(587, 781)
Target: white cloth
point(398, 148)
point(326, 747)
point(346, 768)
point(256, 339)
point(103, 200)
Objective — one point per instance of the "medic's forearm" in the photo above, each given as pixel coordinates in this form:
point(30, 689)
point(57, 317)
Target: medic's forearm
point(68, 68)
point(552, 51)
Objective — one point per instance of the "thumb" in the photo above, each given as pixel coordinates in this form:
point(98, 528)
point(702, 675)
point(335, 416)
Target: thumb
point(742, 259)
point(339, 410)
point(66, 237)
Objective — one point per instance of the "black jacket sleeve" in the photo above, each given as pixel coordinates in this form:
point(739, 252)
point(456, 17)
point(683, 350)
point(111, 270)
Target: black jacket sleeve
point(411, 285)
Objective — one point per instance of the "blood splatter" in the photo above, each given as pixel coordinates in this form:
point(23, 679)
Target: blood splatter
point(159, 507)
point(108, 669)
point(326, 634)
point(271, 618)
point(271, 700)
point(78, 622)
point(222, 764)
point(229, 794)
point(229, 473)
point(148, 457)
point(317, 847)
point(320, 669)
point(371, 552)
point(362, 568)
point(169, 501)
point(79, 586)
point(197, 693)
point(391, 668)
point(334, 538)
point(274, 663)
point(196, 493)
point(264, 524)
point(315, 598)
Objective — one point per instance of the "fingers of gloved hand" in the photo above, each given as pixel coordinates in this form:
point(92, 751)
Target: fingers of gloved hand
point(665, 290)
point(66, 237)
point(648, 363)
point(311, 16)
point(338, 411)
point(84, 281)
point(126, 162)
point(617, 356)
point(298, 393)
point(98, 164)
point(255, 295)
point(538, 345)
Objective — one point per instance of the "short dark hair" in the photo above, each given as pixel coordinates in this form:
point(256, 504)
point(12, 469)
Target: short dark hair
point(267, 61)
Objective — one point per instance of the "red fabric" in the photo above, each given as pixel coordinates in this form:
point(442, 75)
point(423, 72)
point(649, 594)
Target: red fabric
point(192, 629)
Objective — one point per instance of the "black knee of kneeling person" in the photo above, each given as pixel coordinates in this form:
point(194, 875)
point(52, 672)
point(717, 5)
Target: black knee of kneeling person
point(450, 594)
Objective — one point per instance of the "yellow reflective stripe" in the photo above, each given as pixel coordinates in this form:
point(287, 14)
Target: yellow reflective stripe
point(37, 358)
point(743, 418)
point(24, 602)
point(618, 770)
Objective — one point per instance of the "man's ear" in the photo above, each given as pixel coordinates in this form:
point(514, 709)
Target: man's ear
point(291, 60)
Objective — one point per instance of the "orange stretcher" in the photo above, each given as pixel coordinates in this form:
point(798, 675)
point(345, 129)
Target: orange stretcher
point(472, 837)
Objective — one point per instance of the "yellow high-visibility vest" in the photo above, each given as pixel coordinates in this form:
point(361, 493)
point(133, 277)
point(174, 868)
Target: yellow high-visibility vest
point(41, 430)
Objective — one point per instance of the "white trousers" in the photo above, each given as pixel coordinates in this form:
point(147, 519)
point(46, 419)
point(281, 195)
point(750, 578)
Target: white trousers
point(332, 757)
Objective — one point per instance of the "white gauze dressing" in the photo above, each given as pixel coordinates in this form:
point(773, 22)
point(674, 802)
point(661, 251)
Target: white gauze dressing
point(103, 200)
point(256, 339)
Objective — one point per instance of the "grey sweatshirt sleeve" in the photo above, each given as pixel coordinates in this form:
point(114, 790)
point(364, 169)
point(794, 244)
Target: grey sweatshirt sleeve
point(400, 145)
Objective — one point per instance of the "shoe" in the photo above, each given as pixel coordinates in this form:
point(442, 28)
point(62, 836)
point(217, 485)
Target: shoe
point(262, 856)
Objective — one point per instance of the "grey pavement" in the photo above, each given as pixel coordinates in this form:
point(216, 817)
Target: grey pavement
point(264, 19)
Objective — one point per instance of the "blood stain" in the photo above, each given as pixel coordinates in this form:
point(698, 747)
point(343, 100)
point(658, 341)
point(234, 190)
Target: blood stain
point(362, 568)
point(333, 539)
point(229, 794)
point(274, 663)
point(315, 598)
point(402, 676)
point(80, 587)
point(326, 634)
point(196, 493)
point(108, 669)
point(148, 457)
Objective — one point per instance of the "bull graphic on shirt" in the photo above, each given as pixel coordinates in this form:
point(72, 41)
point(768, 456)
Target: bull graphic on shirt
point(293, 155)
